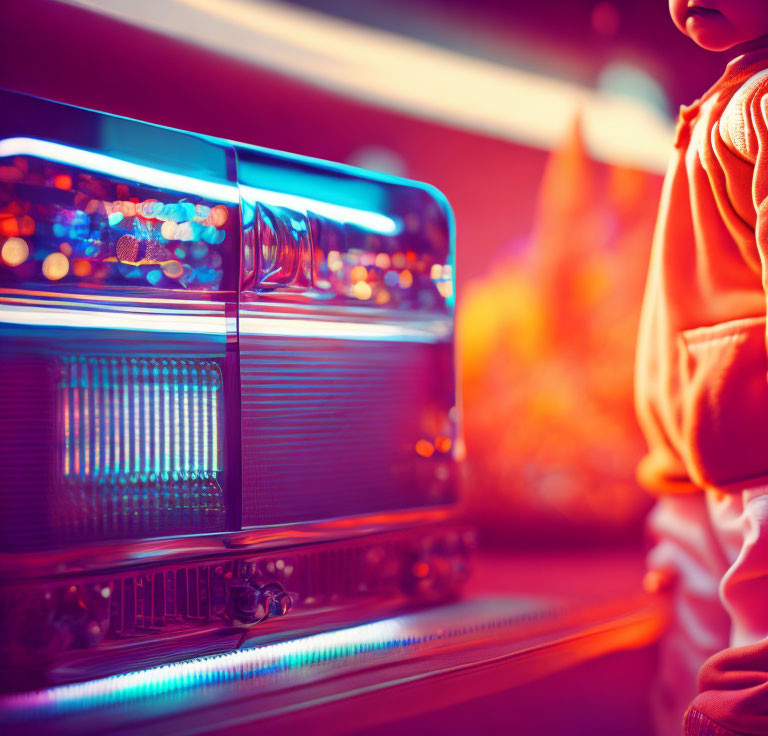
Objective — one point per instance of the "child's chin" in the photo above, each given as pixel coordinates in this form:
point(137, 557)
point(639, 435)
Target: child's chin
point(713, 41)
point(713, 34)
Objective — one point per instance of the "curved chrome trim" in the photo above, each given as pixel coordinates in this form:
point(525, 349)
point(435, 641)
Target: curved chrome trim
point(110, 555)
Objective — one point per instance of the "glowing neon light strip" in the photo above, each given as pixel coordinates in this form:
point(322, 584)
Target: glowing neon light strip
point(167, 423)
point(103, 164)
point(289, 327)
point(118, 168)
point(48, 317)
point(125, 387)
point(214, 435)
point(427, 629)
point(373, 221)
point(218, 668)
point(423, 331)
point(106, 403)
point(157, 435)
point(206, 409)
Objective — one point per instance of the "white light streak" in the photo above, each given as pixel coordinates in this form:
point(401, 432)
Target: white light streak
point(118, 168)
point(412, 76)
point(373, 221)
point(55, 317)
point(430, 332)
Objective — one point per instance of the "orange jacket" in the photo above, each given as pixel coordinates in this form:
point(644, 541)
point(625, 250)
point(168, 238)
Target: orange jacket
point(701, 389)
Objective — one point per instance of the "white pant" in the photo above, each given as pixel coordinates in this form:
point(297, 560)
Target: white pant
point(717, 546)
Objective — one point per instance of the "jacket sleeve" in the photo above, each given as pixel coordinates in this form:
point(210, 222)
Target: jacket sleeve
point(743, 130)
point(733, 699)
point(760, 180)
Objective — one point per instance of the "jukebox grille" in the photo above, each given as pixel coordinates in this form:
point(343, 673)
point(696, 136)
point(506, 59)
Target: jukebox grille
point(330, 427)
point(140, 446)
point(137, 416)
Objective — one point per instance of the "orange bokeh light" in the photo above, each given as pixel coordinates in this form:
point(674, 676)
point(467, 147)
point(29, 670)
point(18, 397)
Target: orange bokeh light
point(219, 215)
point(81, 267)
point(359, 273)
point(362, 290)
point(425, 448)
point(406, 279)
point(63, 181)
point(443, 444)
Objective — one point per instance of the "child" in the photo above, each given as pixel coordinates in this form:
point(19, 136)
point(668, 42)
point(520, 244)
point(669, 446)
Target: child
point(702, 390)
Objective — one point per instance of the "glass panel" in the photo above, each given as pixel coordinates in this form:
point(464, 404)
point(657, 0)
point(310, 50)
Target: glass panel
point(63, 223)
point(346, 342)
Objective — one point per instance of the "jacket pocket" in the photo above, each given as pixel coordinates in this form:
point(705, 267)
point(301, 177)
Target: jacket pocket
point(724, 402)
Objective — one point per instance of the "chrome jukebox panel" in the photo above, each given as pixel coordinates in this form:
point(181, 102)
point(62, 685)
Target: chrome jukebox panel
point(211, 351)
point(346, 343)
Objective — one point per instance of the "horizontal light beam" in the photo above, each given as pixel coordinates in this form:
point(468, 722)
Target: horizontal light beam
point(418, 331)
point(84, 319)
point(417, 78)
point(120, 169)
point(382, 640)
point(373, 221)
point(425, 332)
